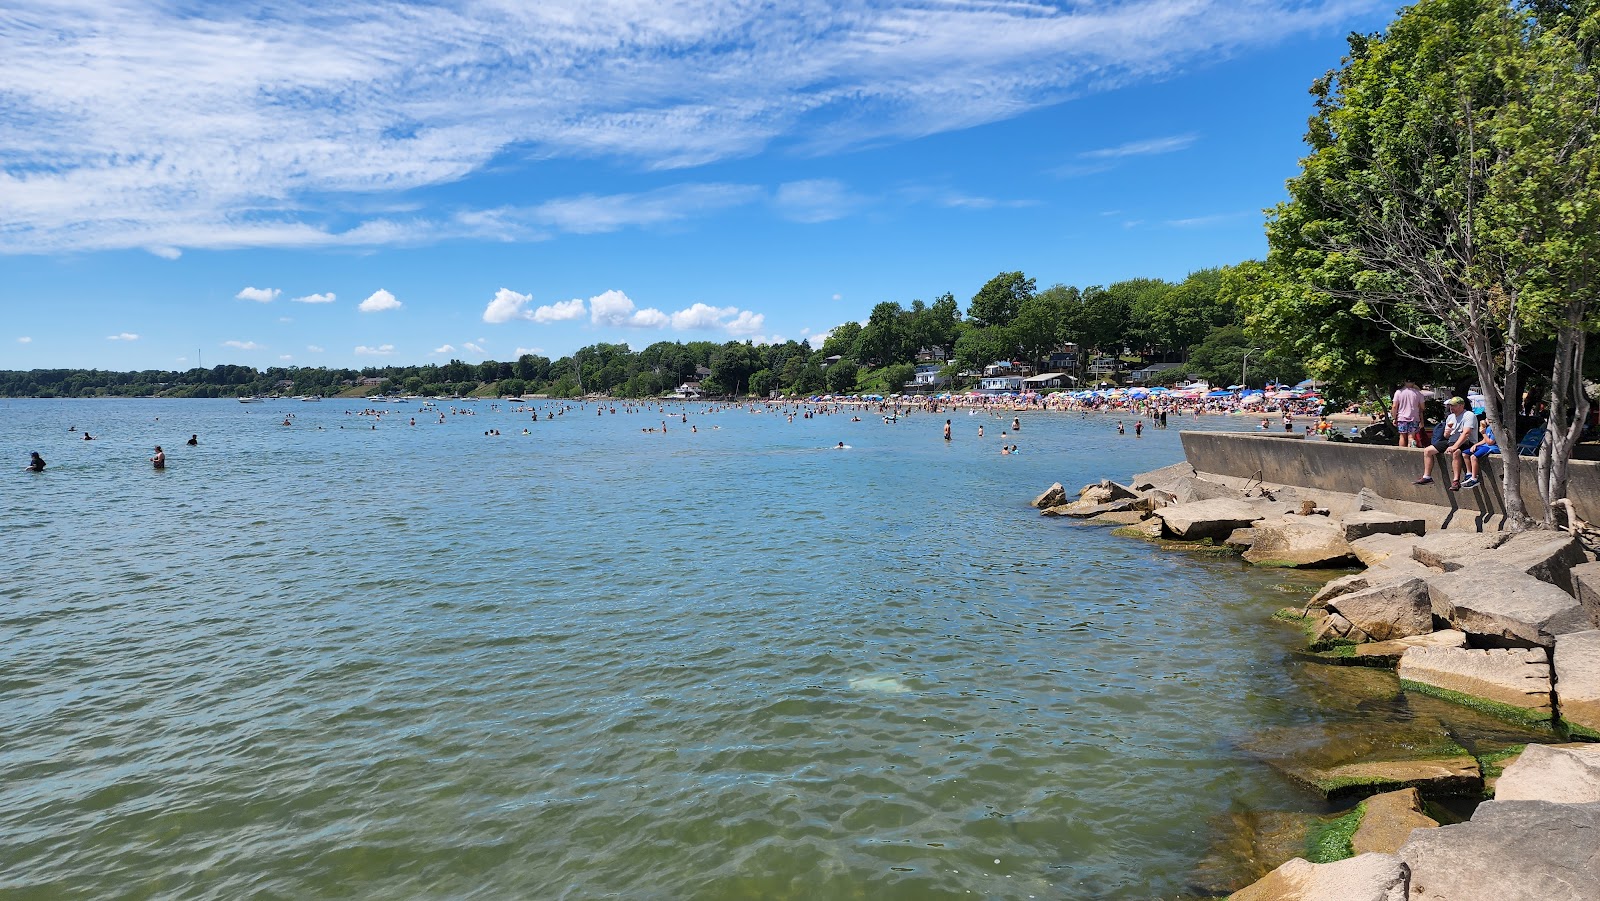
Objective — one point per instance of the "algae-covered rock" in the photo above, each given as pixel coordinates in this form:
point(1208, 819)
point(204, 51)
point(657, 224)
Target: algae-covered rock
point(1148, 530)
point(1369, 877)
point(1117, 518)
point(1509, 851)
point(1438, 777)
point(1387, 821)
point(1298, 541)
point(1514, 682)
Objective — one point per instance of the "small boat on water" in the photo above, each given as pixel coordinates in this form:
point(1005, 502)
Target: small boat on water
point(252, 400)
point(309, 399)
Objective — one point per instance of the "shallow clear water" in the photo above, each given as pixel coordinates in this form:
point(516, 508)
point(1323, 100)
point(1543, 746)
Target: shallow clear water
point(595, 662)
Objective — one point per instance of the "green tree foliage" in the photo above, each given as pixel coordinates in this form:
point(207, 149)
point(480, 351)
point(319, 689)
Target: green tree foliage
point(841, 377)
point(1000, 299)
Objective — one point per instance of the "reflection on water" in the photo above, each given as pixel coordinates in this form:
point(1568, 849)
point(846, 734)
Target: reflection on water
point(590, 661)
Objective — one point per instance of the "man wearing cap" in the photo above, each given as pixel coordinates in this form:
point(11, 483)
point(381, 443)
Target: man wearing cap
point(1460, 431)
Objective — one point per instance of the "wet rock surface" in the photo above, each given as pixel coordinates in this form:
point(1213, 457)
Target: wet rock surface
point(1388, 822)
point(1514, 677)
point(1509, 851)
point(1369, 877)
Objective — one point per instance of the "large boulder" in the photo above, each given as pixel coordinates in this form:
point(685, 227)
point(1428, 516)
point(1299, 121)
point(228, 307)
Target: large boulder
point(1118, 491)
point(1164, 478)
point(1363, 523)
point(1547, 556)
point(1509, 851)
point(1577, 663)
point(1298, 541)
point(1215, 518)
point(1388, 821)
point(1515, 682)
point(1505, 604)
point(1586, 585)
point(1054, 496)
point(1435, 549)
point(1395, 569)
point(1566, 775)
point(1368, 877)
point(1372, 550)
point(1394, 610)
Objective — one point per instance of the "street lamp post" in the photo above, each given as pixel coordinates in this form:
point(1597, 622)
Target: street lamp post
point(1244, 367)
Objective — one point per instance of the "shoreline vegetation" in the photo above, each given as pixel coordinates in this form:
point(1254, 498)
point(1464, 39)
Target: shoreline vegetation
point(1477, 655)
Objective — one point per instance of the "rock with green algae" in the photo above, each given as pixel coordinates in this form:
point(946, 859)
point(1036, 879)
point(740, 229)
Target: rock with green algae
point(1387, 820)
point(1247, 845)
point(1509, 682)
point(1343, 759)
point(1298, 541)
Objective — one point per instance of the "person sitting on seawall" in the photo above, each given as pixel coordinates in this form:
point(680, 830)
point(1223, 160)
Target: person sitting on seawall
point(1460, 432)
point(159, 461)
point(1477, 452)
point(36, 464)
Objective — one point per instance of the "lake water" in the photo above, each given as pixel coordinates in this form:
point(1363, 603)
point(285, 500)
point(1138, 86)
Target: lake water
point(419, 662)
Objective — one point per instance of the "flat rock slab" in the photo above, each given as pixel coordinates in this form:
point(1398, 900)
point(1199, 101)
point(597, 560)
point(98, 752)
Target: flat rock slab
point(1162, 478)
point(1388, 822)
point(1372, 550)
point(1564, 775)
point(1516, 678)
point(1509, 851)
point(1364, 523)
point(1442, 777)
point(1433, 550)
point(1214, 518)
point(1547, 556)
point(1118, 518)
point(1298, 541)
point(1367, 877)
point(1504, 603)
point(1149, 529)
point(1388, 653)
point(1586, 586)
point(1577, 664)
point(1384, 612)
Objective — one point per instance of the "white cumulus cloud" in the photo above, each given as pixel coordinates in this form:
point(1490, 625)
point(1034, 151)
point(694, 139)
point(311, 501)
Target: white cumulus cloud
point(242, 345)
point(444, 349)
point(561, 311)
point(329, 297)
point(379, 301)
point(471, 347)
point(614, 308)
point(746, 323)
point(259, 295)
point(507, 305)
point(25, 340)
point(381, 350)
point(523, 351)
point(124, 336)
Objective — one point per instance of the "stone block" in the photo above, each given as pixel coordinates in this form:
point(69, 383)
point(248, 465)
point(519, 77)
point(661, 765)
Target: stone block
point(1395, 610)
point(1240, 538)
point(1586, 586)
point(1434, 550)
point(1054, 496)
point(1372, 550)
point(1367, 877)
point(1119, 492)
point(1388, 653)
point(1298, 541)
point(1509, 851)
point(1515, 682)
point(1364, 523)
point(1505, 604)
point(1214, 518)
point(1577, 666)
point(1547, 556)
point(1117, 518)
point(1162, 478)
point(1565, 775)
point(1438, 777)
point(1388, 821)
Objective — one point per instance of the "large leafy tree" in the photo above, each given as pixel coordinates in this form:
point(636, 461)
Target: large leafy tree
point(1000, 299)
point(1396, 212)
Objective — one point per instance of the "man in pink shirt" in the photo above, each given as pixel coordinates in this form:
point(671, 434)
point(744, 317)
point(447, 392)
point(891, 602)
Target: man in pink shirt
point(1408, 414)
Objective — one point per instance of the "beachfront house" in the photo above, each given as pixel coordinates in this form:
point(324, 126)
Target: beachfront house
point(1047, 381)
point(1150, 373)
point(927, 378)
point(1000, 384)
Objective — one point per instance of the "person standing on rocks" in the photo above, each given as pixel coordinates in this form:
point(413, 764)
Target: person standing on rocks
point(1408, 414)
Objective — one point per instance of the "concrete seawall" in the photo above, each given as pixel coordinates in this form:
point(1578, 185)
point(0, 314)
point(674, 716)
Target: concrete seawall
point(1386, 471)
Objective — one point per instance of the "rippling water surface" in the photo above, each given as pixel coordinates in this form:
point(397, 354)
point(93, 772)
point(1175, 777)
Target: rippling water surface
point(595, 662)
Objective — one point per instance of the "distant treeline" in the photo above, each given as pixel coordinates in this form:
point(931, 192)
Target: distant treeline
point(1007, 320)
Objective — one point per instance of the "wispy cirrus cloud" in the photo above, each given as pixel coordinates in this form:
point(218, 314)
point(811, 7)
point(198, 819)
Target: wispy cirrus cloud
point(123, 336)
point(242, 345)
point(382, 350)
point(1146, 147)
point(168, 126)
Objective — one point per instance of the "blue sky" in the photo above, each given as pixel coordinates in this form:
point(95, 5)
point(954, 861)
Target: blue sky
point(352, 184)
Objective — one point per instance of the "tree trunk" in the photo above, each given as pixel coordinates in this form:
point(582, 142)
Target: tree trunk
point(1494, 395)
point(1569, 407)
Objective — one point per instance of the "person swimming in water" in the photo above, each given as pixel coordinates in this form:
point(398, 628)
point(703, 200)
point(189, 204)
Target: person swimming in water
point(36, 464)
point(159, 461)
point(193, 441)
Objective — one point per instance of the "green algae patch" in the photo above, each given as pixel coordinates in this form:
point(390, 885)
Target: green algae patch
point(1519, 715)
point(1576, 731)
point(1330, 840)
point(1133, 532)
point(1493, 762)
